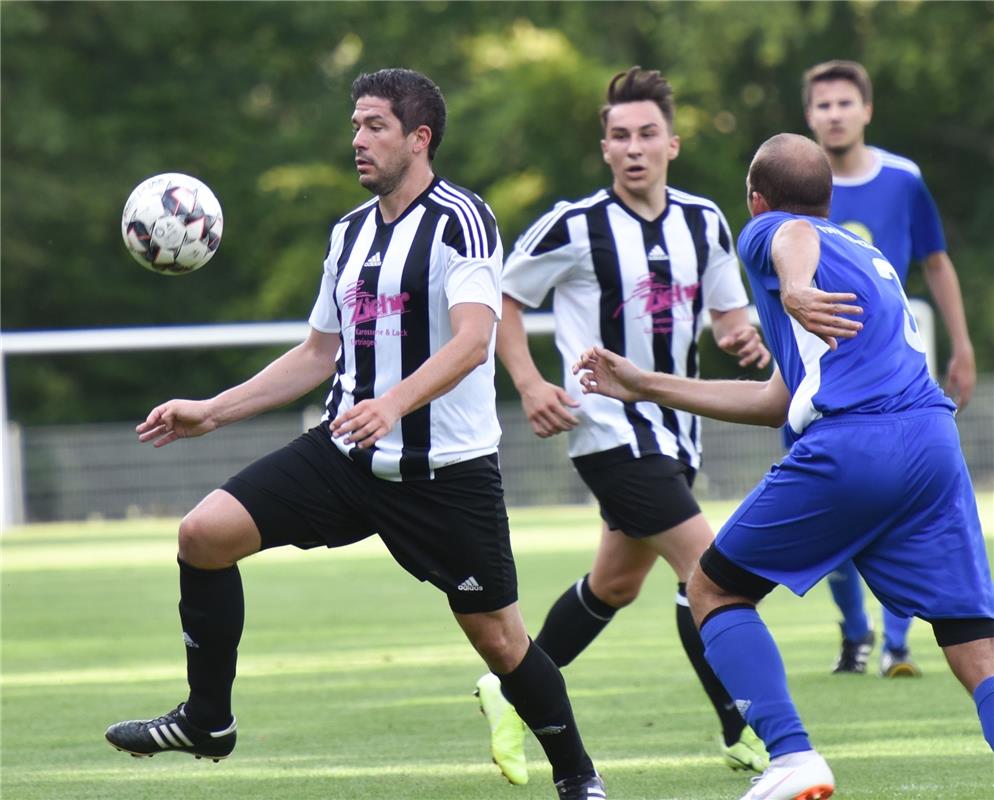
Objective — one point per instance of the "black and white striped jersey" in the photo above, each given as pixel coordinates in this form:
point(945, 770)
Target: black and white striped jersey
point(387, 289)
point(637, 288)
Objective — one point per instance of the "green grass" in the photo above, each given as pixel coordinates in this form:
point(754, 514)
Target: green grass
point(355, 682)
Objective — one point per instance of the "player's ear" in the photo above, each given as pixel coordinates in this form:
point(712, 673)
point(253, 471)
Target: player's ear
point(604, 151)
point(867, 113)
point(421, 139)
point(674, 147)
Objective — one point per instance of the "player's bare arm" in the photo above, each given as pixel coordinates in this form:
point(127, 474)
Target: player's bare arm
point(747, 402)
point(289, 377)
point(736, 335)
point(546, 405)
point(795, 251)
point(370, 420)
point(943, 283)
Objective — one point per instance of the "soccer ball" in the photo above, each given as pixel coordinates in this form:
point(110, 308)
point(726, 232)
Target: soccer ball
point(172, 224)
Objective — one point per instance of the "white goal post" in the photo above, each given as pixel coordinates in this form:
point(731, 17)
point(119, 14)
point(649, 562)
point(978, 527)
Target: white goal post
point(36, 343)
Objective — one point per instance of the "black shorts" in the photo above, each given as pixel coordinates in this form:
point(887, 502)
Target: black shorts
point(639, 496)
point(451, 531)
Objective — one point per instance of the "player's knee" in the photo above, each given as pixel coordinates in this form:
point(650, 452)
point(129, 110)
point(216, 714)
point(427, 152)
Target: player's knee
point(200, 543)
point(619, 591)
point(498, 650)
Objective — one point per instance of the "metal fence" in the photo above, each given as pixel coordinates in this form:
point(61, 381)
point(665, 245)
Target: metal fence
point(75, 472)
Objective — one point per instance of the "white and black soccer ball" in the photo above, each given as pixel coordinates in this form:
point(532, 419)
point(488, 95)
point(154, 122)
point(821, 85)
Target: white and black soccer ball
point(172, 224)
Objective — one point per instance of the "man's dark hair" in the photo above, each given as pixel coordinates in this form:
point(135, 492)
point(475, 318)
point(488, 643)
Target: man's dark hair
point(837, 70)
point(637, 84)
point(414, 99)
point(793, 174)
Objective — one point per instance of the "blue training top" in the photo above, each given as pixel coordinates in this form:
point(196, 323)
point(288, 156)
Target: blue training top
point(882, 370)
point(892, 209)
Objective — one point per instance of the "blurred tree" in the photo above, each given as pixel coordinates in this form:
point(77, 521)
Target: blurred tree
point(253, 98)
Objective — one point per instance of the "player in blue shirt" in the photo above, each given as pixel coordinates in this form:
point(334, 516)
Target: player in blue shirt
point(875, 474)
point(882, 198)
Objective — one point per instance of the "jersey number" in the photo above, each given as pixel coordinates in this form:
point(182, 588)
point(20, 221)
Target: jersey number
point(886, 270)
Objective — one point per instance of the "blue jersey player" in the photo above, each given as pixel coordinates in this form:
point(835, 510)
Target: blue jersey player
point(882, 198)
point(875, 474)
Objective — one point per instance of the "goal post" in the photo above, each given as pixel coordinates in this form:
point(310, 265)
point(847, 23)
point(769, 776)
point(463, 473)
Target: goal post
point(94, 340)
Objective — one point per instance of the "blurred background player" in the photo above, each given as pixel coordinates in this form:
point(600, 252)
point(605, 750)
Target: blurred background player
point(882, 198)
point(632, 266)
point(875, 474)
point(404, 324)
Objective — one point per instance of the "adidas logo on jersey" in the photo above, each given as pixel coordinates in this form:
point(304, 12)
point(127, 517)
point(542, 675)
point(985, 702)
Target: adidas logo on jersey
point(374, 260)
point(470, 585)
point(743, 706)
point(658, 254)
point(188, 640)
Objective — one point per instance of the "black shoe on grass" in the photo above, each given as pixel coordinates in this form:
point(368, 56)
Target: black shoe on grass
point(171, 732)
point(581, 787)
point(855, 654)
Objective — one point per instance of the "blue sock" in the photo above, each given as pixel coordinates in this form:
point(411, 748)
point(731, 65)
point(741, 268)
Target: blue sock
point(847, 591)
point(895, 631)
point(983, 696)
point(757, 681)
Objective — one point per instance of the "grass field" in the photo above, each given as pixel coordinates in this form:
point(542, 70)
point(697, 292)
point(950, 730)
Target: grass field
point(355, 682)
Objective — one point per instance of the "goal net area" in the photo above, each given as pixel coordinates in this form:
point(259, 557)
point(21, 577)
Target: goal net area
point(91, 471)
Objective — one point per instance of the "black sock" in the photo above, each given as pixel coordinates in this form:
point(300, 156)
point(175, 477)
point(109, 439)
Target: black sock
point(573, 622)
point(212, 611)
point(731, 720)
point(538, 693)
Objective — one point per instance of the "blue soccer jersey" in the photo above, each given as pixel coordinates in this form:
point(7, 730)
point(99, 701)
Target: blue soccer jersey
point(881, 370)
point(890, 208)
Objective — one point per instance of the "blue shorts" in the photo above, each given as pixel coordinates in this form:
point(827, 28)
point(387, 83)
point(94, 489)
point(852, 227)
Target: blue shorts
point(890, 492)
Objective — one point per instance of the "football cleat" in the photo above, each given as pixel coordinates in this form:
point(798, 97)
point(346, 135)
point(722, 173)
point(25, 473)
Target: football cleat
point(854, 655)
point(507, 731)
point(898, 664)
point(171, 732)
point(748, 752)
point(795, 776)
point(582, 787)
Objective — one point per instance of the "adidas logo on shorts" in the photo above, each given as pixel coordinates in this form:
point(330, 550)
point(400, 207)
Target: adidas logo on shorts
point(470, 585)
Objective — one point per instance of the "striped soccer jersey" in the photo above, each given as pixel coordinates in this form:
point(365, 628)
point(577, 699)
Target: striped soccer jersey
point(387, 289)
point(891, 208)
point(637, 288)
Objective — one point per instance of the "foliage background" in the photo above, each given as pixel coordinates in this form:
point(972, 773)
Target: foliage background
point(254, 99)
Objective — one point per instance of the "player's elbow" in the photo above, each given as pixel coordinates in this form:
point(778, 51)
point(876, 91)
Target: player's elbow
point(776, 418)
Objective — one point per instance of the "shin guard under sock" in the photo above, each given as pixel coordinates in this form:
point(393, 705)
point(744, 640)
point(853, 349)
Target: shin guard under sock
point(573, 622)
point(740, 650)
point(212, 611)
point(538, 693)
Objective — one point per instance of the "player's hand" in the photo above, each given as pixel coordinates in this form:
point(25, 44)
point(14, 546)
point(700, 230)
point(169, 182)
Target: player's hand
point(366, 422)
point(820, 313)
point(603, 372)
point(176, 419)
point(747, 345)
point(547, 407)
point(961, 377)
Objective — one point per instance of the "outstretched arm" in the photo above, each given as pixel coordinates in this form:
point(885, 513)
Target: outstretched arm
point(796, 250)
point(546, 405)
point(961, 374)
point(290, 376)
point(747, 402)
